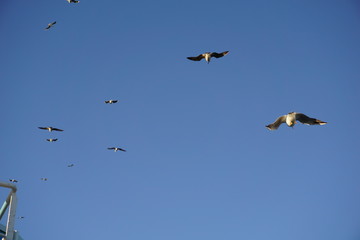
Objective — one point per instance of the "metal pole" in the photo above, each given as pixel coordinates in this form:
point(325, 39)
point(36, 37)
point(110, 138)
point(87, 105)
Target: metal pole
point(11, 217)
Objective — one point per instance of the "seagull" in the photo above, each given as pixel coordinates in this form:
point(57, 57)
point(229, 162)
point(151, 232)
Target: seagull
point(70, 165)
point(72, 1)
point(13, 180)
point(117, 149)
point(290, 120)
point(22, 217)
point(43, 179)
point(208, 56)
point(50, 25)
point(50, 129)
point(111, 101)
point(51, 139)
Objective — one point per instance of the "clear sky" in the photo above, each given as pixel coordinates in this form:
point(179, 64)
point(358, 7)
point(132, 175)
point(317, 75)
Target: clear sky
point(200, 163)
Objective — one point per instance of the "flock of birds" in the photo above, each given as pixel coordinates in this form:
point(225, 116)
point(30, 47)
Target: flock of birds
point(290, 119)
point(50, 129)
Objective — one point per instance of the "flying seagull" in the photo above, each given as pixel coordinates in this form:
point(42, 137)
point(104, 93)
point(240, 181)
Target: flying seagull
point(50, 129)
point(21, 217)
point(117, 149)
point(290, 120)
point(72, 1)
point(50, 25)
point(13, 180)
point(111, 101)
point(71, 165)
point(43, 179)
point(208, 56)
point(51, 139)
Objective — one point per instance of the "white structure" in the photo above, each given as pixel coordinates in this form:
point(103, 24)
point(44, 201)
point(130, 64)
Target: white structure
point(7, 232)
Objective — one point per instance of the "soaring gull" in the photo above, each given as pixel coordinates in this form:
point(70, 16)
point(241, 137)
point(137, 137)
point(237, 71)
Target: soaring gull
point(51, 139)
point(117, 149)
point(50, 25)
point(208, 56)
point(290, 120)
point(111, 101)
point(50, 129)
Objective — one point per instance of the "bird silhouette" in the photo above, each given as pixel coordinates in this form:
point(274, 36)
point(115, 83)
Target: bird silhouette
point(50, 25)
point(51, 139)
point(117, 149)
point(208, 56)
point(50, 129)
point(290, 120)
point(111, 101)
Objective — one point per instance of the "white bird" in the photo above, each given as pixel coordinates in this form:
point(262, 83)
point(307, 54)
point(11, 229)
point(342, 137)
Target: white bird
point(208, 56)
point(50, 129)
point(290, 120)
point(111, 101)
point(50, 25)
point(117, 149)
point(51, 139)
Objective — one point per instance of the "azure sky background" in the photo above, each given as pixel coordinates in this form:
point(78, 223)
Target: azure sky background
point(200, 163)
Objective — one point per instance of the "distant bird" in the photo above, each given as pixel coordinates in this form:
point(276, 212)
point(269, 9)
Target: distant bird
point(13, 180)
point(72, 1)
point(117, 149)
point(50, 25)
point(111, 101)
point(21, 217)
point(290, 120)
point(50, 129)
point(43, 179)
point(208, 56)
point(51, 139)
point(70, 165)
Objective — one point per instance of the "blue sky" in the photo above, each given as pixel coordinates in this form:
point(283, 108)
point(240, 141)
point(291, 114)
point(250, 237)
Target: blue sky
point(200, 163)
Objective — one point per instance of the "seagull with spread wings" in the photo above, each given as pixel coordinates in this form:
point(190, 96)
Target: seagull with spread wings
point(51, 139)
point(13, 180)
point(72, 1)
point(111, 101)
point(117, 149)
point(50, 25)
point(50, 129)
point(208, 56)
point(291, 118)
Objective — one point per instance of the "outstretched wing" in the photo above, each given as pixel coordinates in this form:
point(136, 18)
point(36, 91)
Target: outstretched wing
point(308, 120)
point(115, 101)
point(57, 129)
point(122, 149)
point(112, 148)
point(275, 125)
point(44, 128)
point(219, 55)
point(198, 58)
